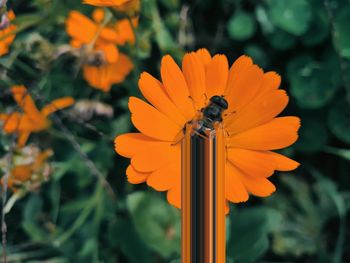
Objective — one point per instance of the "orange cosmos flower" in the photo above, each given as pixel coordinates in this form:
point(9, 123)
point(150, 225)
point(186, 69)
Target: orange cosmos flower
point(99, 41)
point(31, 119)
point(251, 126)
point(7, 41)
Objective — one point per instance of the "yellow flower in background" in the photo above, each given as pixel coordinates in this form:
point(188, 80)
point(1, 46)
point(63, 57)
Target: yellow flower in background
point(252, 129)
point(31, 119)
point(10, 37)
point(104, 65)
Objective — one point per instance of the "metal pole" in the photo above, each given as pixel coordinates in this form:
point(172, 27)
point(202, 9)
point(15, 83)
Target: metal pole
point(203, 199)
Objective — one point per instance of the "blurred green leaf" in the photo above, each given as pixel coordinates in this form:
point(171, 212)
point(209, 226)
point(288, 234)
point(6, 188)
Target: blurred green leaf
point(314, 83)
point(263, 19)
point(313, 135)
point(122, 233)
point(344, 153)
point(31, 216)
point(170, 4)
point(157, 222)
point(339, 120)
point(291, 16)
point(249, 233)
point(342, 36)
point(281, 40)
point(258, 55)
point(121, 125)
point(241, 26)
point(318, 30)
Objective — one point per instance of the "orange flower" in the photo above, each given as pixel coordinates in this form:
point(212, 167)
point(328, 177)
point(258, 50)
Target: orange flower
point(251, 126)
point(99, 39)
point(103, 77)
point(31, 120)
point(106, 3)
point(7, 41)
point(130, 7)
point(30, 165)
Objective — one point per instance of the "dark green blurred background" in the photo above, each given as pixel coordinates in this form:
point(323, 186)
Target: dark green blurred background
point(73, 219)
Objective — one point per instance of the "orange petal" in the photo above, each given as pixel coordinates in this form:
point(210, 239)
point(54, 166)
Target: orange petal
point(276, 134)
point(147, 154)
point(8, 34)
point(243, 83)
point(261, 110)
point(258, 186)
point(151, 122)
point(271, 81)
point(98, 15)
point(165, 177)
point(76, 22)
point(227, 207)
point(25, 101)
point(253, 163)
point(151, 157)
point(216, 76)
point(3, 116)
point(21, 172)
point(176, 87)
point(22, 138)
point(110, 51)
point(234, 188)
point(124, 31)
point(121, 69)
point(105, 76)
point(128, 144)
point(134, 176)
point(204, 55)
point(56, 105)
point(41, 158)
point(106, 3)
point(12, 122)
point(154, 92)
point(174, 196)
point(284, 163)
point(194, 72)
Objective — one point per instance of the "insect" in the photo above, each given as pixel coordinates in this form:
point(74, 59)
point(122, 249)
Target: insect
point(213, 111)
point(209, 116)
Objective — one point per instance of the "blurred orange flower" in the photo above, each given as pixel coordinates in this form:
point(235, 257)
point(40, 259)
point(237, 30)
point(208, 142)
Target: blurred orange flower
point(7, 41)
point(106, 75)
point(30, 168)
point(31, 120)
point(251, 126)
point(131, 7)
point(104, 66)
point(34, 169)
point(109, 3)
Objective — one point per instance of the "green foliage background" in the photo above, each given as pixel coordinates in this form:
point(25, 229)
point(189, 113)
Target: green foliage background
point(73, 219)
